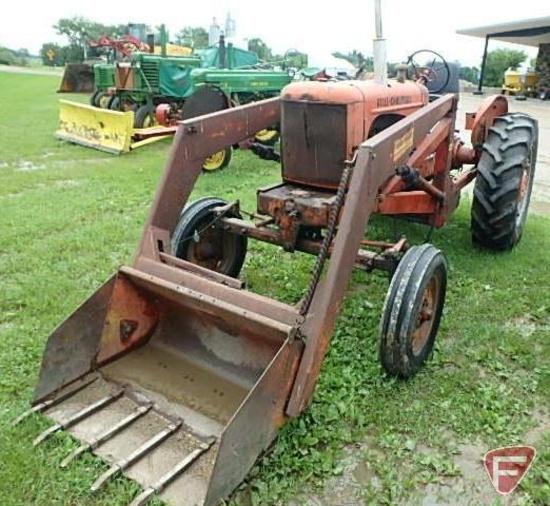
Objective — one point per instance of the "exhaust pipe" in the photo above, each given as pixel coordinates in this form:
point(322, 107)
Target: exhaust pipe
point(379, 47)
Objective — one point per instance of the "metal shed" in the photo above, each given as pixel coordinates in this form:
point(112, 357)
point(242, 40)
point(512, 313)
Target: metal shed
point(529, 32)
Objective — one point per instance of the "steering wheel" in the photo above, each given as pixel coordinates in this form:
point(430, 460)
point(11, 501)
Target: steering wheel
point(431, 68)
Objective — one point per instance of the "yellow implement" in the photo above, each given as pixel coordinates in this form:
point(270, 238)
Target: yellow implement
point(90, 126)
point(103, 129)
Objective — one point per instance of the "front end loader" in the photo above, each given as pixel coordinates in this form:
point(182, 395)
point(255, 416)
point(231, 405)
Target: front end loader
point(176, 374)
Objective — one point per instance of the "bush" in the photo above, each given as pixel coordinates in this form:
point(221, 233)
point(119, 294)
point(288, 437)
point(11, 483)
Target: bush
point(7, 57)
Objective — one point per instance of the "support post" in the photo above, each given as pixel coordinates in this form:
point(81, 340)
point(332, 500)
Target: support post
point(482, 73)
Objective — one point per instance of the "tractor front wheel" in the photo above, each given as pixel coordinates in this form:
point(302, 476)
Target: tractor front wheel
point(145, 117)
point(94, 99)
point(412, 310)
point(504, 182)
point(199, 240)
point(114, 103)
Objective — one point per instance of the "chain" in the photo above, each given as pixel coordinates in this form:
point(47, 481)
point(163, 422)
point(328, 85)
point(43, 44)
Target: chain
point(327, 240)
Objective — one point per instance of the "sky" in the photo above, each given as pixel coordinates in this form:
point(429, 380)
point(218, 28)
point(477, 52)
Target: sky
point(316, 28)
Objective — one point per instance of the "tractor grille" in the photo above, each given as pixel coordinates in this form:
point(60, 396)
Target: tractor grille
point(150, 75)
point(314, 138)
point(105, 77)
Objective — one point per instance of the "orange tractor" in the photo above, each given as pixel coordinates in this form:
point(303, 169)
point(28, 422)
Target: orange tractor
point(178, 375)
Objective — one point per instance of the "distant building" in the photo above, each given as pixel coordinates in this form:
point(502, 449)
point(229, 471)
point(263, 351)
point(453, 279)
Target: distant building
point(230, 26)
point(214, 33)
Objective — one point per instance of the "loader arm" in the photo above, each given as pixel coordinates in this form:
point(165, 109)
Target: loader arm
point(376, 161)
point(195, 140)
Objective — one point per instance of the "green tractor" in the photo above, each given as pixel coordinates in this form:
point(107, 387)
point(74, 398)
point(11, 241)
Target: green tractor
point(104, 80)
point(136, 99)
point(163, 90)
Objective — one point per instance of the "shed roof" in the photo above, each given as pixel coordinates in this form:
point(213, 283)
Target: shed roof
point(529, 32)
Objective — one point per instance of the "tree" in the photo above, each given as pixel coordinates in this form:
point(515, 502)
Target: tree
point(357, 59)
point(470, 74)
point(80, 32)
point(6, 57)
point(498, 62)
point(293, 59)
point(193, 36)
point(258, 46)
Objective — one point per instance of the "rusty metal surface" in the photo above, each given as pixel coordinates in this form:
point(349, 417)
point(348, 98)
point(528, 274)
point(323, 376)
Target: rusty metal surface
point(125, 78)
point(324, 123)
point(246, 300)
point(126, 450)
point(366, 260)
point(77, 78)
point(71, 349)
point(405, 203)
point(489, 109)
point(376, 161)
point(255, 424)
point(311, 206)
point(197, 269)
point(375, 96)
point(218, 375)
point(315, 142)
point(130, 320)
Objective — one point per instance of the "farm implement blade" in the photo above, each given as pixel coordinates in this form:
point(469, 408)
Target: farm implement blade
point(93, 127)
point(104, 129)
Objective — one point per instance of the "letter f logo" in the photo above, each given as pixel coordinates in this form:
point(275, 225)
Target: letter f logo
point(507, 466)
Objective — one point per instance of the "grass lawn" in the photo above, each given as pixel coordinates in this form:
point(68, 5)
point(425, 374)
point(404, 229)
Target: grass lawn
point(70, 216)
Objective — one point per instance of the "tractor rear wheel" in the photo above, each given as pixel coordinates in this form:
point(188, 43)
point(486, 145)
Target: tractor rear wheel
point(412, 310)
point(267, 137)
point(504, 182)
point(218, 160)
point(197, 239)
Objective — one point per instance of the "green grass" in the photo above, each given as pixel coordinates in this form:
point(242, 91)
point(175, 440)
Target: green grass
point(69, 217)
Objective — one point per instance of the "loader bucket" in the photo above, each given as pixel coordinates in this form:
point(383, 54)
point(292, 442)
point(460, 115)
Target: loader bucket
point(172, 373)
point(77, 78)
point(96, 128)
point(178, 391)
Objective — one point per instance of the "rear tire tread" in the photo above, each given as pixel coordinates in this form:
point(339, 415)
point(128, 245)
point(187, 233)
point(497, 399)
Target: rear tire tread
point(494, 220)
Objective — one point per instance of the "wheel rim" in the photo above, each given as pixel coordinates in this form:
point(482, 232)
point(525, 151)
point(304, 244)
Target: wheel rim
point(149, 121)
point(266, 135)
point(426, 314)
point(215, 161)
point(525, 183)
point(104, 101)
point(214, 250)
